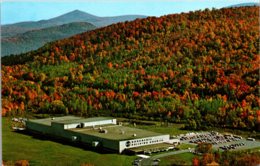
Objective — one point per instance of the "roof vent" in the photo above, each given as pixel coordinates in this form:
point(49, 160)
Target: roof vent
point(82, 125)
point(103, 131)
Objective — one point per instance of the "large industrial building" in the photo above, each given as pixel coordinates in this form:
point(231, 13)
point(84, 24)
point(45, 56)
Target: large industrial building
point(102, 132)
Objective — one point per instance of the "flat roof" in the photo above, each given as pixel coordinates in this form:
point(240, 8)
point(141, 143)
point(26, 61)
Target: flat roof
point(71, 121)
point(116, 132)
point(67, 120)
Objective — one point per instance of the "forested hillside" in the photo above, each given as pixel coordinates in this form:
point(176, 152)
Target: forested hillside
point(201, 68)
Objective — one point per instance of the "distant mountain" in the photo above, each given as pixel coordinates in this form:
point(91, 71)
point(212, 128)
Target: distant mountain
point(245, 4)
point(74, 16)
point(34, 39)
point(26, 36)
point(104, 21)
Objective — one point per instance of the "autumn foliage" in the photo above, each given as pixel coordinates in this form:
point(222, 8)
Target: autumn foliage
point(21, 163)
point(202, 64)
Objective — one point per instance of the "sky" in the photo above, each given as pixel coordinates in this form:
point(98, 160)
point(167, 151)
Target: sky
point(13, 11)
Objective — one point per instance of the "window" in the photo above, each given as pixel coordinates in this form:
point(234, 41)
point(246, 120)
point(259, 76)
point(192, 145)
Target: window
point(127, 144)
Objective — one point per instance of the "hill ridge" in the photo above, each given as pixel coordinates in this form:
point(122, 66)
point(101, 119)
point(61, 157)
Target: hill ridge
point(20, 27)
point(199, 68)
point(13, 30)
point(245, 4)
point(36, 38)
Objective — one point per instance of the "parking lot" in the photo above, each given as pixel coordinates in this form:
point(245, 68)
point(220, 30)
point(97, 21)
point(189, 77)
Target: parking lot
point(219, 141)
point(238, 145)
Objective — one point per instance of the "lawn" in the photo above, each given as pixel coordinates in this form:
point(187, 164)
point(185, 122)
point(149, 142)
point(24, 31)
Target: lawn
point(186, 146)
point(177, 159)
point(173, 129)
point(242, 133)
point(17, 146)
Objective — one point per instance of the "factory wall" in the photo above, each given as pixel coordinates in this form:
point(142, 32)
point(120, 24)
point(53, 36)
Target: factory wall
point(87, 124)
point(57, 129)
point(126, 144)
point(89, 139)
point(44, 129)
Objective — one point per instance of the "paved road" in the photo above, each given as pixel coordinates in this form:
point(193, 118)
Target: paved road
point(149, 161)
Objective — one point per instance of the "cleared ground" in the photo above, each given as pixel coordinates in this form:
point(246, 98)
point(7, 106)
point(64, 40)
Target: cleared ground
point(178, 159)
point(173, 129)
point(42, 152)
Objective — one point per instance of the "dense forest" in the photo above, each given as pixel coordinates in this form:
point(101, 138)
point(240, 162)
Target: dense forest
point(226, 158)
point(200, 68)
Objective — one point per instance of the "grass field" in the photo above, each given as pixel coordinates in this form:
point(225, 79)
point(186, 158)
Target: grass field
point(17, 146)
point(178, 159)
point(185, 146)
point(174, 129)
point(242, 133)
